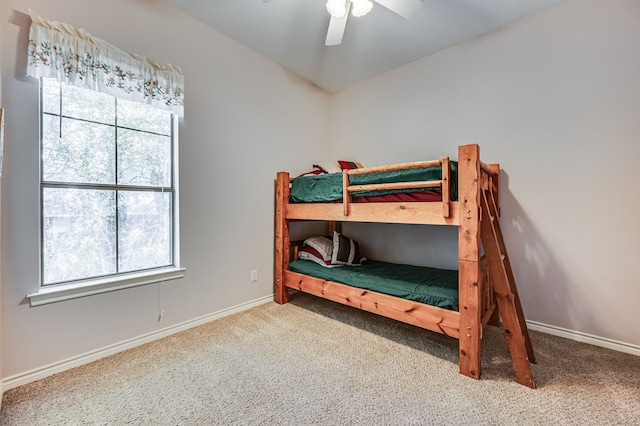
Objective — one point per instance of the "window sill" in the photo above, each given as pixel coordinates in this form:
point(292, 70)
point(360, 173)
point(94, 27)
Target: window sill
point(57, 293)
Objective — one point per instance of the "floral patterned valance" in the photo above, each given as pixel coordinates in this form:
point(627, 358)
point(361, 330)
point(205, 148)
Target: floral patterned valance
point(73, 56)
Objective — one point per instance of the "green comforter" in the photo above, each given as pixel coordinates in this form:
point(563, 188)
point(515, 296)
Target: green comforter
point(436, 287)
point(328, 187)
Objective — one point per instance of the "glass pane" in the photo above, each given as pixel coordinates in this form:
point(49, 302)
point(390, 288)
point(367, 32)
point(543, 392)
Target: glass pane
point(85, 153)
point(51, 96)
point(144, 230)
point(88, 105)
point(136, 115)
point(78, 234)
point(143, 159)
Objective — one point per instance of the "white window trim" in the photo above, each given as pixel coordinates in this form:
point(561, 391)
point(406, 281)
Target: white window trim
point(57, 293)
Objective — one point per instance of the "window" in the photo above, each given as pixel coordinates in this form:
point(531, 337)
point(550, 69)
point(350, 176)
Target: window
point(107, 185)
point(108, 178)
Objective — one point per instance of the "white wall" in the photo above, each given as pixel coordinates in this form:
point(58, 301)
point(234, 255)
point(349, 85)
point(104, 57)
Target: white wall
point(246, 118)
point(555, 99)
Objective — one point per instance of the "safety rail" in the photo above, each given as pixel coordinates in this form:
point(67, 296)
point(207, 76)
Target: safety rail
point(443, 183)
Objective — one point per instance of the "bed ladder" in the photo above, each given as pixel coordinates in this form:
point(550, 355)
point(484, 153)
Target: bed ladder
point(506, 293)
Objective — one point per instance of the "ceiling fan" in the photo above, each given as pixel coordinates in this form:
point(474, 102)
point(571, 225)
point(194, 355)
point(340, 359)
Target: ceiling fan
point(339, 10)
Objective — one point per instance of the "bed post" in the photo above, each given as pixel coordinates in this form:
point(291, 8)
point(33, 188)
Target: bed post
point(469, 261)
point(282, 236)
point(494, 186)
point(334, 226)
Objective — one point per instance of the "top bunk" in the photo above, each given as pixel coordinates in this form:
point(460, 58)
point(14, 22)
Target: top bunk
point(437, 192)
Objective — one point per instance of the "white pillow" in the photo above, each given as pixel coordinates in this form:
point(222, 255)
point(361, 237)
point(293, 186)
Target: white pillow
point(323, 245)
point(329, 167)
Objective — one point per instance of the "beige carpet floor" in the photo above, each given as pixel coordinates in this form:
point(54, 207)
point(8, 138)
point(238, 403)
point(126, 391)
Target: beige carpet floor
point(314, 362)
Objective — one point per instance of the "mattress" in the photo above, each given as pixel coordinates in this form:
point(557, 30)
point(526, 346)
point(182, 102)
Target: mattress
point(328, 187)
point(432, 286)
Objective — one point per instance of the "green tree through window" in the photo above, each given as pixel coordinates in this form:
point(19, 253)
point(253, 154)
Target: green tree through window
point(107, 185)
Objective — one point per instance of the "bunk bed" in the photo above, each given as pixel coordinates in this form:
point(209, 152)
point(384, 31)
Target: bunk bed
point(463, 194)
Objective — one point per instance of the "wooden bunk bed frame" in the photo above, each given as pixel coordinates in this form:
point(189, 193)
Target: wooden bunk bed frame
point(486, 288)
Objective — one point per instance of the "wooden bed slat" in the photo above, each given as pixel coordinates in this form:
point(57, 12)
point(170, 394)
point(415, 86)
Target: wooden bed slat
point(413, 213)
point(429, 317)
point(394, 185)
point(394, 167)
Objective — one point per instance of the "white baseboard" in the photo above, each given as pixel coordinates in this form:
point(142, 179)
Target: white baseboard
point(584, 338)
point(58, 367)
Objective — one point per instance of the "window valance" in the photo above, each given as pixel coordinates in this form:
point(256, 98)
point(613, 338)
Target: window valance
point(73, 56)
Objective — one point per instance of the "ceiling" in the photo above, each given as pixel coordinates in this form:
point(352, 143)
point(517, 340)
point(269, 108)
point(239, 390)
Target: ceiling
point(292, 32)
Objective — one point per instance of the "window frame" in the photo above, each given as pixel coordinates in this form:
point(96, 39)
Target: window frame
point(63, 290)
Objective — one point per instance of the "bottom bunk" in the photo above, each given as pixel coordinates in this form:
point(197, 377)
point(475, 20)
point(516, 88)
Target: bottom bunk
point(431, 286)
point(421, 296)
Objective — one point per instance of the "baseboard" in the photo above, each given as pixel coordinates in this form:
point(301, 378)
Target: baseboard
point(67, 364)
point(584, 338)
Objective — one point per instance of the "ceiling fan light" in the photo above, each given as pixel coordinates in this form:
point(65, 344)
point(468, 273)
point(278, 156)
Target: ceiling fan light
point(361, 7)
point(337, 8)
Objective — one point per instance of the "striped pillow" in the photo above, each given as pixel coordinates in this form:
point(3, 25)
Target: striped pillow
point(345, 251)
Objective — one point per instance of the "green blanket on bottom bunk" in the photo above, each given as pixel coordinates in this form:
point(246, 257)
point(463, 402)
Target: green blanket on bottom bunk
point(436, 287)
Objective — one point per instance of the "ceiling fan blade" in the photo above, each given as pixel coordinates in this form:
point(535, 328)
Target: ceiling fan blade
point(336, 30)
point(404, 8)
